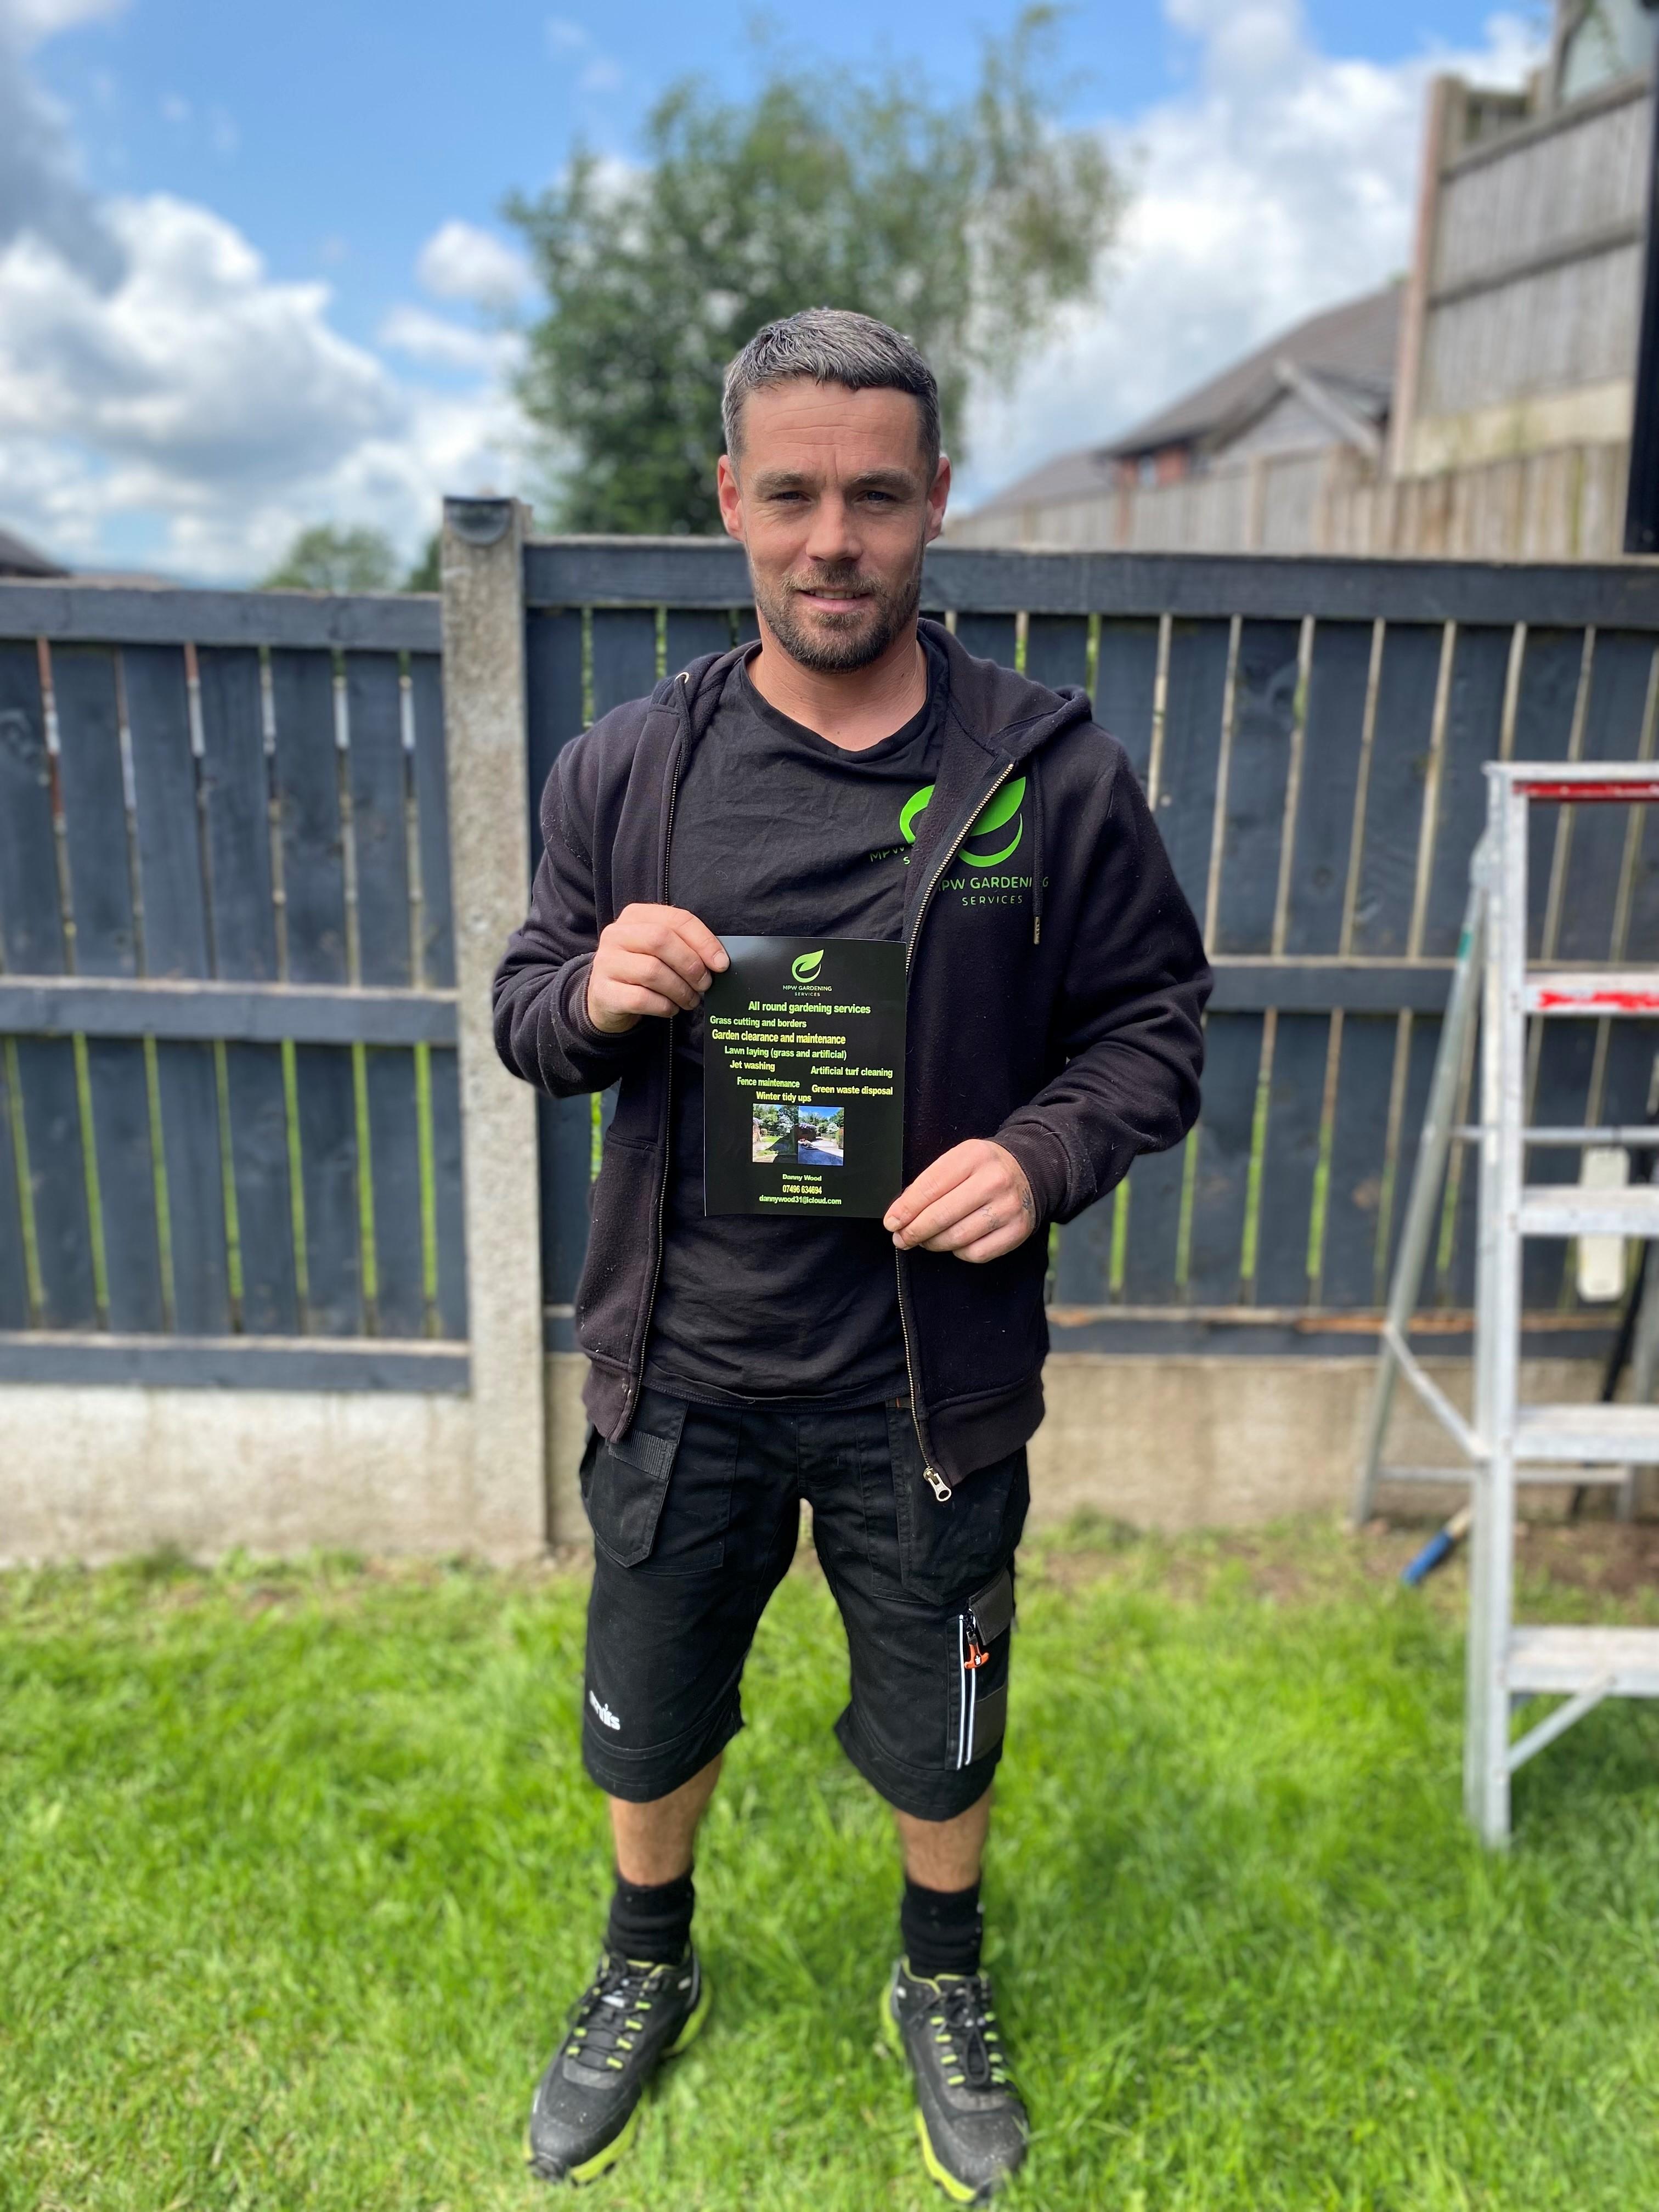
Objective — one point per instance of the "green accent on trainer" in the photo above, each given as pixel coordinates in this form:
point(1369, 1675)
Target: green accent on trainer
point(947, 2182)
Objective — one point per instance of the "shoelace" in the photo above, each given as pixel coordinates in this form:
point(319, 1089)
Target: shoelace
point(966, 2024)
point(610, 2012)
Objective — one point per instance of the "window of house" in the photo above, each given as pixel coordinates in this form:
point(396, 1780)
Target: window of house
point(1611, 39)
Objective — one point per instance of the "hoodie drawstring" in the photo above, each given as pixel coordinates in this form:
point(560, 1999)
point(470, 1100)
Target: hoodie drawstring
point(1035, 794)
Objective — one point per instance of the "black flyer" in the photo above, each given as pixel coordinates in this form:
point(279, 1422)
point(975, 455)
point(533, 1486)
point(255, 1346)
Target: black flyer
point(803, 1078)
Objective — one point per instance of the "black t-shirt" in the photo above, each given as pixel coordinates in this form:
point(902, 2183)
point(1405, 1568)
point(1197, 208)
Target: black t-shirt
point(778, 833)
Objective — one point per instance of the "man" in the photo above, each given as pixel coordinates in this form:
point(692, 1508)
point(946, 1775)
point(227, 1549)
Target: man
point(854, 774)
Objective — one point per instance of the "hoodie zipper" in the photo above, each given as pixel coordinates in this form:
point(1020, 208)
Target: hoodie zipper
point(936, 1482)
point(668, 1093)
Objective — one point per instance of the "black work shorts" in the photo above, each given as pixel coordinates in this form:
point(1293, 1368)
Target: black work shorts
point(695, 1513)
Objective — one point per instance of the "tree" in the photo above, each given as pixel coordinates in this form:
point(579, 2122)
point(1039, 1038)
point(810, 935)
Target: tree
point(968, 225)
point(327, 558)
point(427, 574)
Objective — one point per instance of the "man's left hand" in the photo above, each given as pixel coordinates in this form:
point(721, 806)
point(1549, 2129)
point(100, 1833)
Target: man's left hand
point(974, 1201)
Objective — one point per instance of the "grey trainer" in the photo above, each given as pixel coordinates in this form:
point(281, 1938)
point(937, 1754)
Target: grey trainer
point(968, 2114)
point(630, 2017)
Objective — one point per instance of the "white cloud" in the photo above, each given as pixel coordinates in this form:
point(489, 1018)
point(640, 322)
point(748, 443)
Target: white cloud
point(460, 261)
point(602, 74)
point(423, 335)
point(32, 20)
point(564, 37)
point(1283, 181)
point(41, 191)
point(211, 412)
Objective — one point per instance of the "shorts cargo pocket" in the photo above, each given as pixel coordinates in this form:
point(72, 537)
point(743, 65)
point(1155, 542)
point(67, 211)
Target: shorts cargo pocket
point(624, 1483)
point(952, 1545)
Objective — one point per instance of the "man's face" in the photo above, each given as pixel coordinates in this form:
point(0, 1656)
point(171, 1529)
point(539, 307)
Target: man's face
point(830, 495)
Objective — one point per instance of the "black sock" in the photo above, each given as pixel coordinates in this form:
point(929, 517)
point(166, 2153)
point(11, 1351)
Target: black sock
point(652, 1920)
point(941, 1929)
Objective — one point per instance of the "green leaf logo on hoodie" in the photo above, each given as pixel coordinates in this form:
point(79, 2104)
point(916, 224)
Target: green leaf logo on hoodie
point(805, 966)
point(1003, 808)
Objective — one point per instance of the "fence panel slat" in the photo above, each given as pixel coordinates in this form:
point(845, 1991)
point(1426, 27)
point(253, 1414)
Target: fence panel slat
point(1126, 688)
point(265, 1202)
point(447, 1179)
point(236, 806)
point(693, 631)
point(328, 1173)
point(624, 655)
point(1544, 711)
point(166, 816)
point(379, 829)
point(1258, 776)
point(1057, 649)
point(100, 891)
point(1406, 684)
point(565, 1128)
point(31, 921)
point(379, 815)
point(1083, 1265)
point(394, 1152)
point(437, 933)
point(1475, 728)
point(1295, 1108)
point(1192, 747)
point(58, 1188)
point(236, 802)
point(314, 883)
point(1150, 1255)
point(309, 790)
point(988, 637)
point(1232, 1062)
point(553, 695)
point(94, 810)
point(1613, 718)
point(1359, 1132)
point(13, 1272)
point(1339, 675)
point(1421, 1048)
point(176, 927)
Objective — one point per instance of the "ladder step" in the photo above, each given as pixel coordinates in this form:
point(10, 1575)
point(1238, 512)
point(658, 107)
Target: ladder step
point(1591, 991)
point(1590, 1477)
point(1602, 1436)
point(1571, 1209)
point(1547, 1661)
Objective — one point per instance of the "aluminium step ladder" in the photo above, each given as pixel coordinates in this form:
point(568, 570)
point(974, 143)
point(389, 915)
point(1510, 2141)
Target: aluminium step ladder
point(1507, 1442)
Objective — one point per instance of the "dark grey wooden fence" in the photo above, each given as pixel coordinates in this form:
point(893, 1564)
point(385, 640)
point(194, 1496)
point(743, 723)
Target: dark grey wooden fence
point(229, 1116)
point(1310, 733)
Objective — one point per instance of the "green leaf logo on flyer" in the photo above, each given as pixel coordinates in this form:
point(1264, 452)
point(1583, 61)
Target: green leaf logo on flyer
point(1003, 808)
point(805, 966)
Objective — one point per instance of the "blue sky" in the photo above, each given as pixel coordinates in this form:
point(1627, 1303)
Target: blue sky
point(299, 315)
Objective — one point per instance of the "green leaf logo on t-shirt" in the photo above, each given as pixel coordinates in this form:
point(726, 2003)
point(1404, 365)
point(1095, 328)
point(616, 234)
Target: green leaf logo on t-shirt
point(806, 965)
point(1003, 808)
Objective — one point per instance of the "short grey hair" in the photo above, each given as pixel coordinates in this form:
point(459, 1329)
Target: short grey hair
point(832, 345)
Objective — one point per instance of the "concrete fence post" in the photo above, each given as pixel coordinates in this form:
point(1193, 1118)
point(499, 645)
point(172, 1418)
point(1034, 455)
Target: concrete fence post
point(489, 861)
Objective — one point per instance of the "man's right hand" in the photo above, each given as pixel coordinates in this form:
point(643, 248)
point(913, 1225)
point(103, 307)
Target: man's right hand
point(651, 960)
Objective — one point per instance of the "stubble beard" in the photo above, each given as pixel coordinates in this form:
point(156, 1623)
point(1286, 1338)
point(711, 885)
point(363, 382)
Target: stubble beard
point(835, 644)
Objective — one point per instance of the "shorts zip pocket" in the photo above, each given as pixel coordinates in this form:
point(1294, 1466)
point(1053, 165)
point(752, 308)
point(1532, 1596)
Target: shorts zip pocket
point(982, 1717)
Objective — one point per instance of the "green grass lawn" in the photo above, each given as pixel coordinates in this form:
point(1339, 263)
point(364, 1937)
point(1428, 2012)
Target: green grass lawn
point(299, 1870)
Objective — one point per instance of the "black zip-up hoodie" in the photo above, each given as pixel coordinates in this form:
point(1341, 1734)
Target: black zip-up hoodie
point(1067, 1028)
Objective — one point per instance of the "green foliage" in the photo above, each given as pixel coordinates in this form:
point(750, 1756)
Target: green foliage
point(326, 558)
point(967, 225)
point(427, 574)
point(299, 1872)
